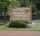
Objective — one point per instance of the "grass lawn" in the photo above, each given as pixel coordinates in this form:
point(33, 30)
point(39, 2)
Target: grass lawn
point(2, 28)
point(5, 28)
point(36, 28)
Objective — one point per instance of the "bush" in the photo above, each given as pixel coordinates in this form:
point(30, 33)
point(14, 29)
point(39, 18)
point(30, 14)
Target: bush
point(17, 24)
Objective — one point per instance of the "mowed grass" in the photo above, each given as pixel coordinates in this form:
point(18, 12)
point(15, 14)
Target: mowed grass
point(5, 28)
point(36, 28)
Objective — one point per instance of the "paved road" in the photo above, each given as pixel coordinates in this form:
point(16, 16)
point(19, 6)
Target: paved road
point(20, 33)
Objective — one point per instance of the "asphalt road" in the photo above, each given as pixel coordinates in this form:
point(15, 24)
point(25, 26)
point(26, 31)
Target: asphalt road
point(20, 33)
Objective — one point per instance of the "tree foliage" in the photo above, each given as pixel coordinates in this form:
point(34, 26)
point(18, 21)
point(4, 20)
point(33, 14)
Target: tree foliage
point(3, 6)
point(36, 8)
point(15, 3)
point(4, 3)
point(24, 3)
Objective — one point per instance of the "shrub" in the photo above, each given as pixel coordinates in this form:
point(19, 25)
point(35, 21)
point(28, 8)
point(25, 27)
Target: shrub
point(17, 24)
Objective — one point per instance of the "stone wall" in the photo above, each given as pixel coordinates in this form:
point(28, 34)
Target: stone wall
point(20, 14)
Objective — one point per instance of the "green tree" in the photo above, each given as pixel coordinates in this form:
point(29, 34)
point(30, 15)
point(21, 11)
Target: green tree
point(14, 3)
point(35, 10)
point(3, 4)
point(24, 3)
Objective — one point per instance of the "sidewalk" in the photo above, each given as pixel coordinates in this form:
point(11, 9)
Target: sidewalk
point(19, 33)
